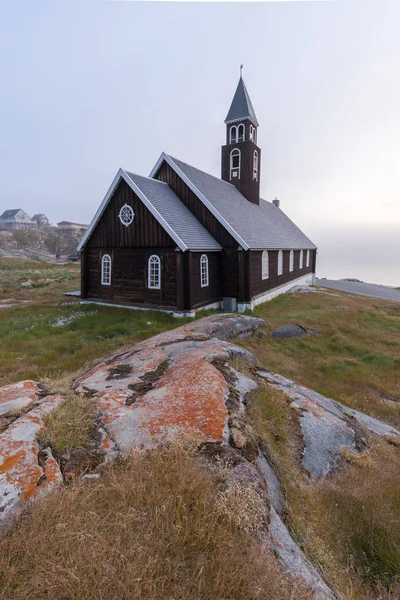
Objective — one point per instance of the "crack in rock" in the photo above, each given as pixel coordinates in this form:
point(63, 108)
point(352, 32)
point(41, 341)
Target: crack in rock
point(328, 426)
point(24, 473)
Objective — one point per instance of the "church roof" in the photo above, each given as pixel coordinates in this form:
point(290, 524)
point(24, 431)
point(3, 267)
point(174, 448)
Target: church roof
point(186, 231)
point(260, 226)
point(241, 106)
point(174, 212)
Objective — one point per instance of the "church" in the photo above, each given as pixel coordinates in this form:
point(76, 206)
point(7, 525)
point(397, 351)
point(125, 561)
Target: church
point(182, 240)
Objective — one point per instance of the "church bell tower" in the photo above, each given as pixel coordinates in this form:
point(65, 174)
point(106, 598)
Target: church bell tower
point(241, 157)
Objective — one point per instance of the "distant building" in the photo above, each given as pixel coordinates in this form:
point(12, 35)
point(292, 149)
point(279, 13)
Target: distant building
point(41, 220)
point(17, 219)
point(69, 227)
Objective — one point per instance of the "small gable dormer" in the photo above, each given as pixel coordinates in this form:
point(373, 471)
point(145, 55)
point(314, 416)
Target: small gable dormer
point(241, 156)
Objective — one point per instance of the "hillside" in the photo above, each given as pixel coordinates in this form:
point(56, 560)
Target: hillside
point(178, 521)
point(48, 239)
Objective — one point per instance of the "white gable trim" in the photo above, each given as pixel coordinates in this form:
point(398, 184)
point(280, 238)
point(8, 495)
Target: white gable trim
point(238, 119)
point(200, 196)
point(123, 175)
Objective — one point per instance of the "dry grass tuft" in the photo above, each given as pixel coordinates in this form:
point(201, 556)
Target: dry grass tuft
point(149, 529)
point(243, 506)
point(348, 524)
point(70, 426)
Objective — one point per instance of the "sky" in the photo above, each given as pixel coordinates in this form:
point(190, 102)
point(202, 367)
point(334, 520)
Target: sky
point(89, 86)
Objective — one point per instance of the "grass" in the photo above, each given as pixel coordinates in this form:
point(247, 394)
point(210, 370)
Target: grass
point(149, 529)
point(46, 338)
point(356, 357)
point(35, 280)
point(348, 524)
point(51, 340)
point(70, 426)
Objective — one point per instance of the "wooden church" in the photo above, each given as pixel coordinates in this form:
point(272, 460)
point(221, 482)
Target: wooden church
point(181, 239)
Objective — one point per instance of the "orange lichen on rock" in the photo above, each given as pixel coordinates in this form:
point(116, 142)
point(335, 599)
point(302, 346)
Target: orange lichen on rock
point(168, 383)
point(18, 396)
point(22, 478)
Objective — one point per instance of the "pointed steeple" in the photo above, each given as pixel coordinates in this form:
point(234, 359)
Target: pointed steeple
point(241, 107)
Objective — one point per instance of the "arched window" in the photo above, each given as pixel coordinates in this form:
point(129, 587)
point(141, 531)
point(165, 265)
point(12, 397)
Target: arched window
point(291, 261)
point(308, 258)
point(255, 165)
point(235, 163)
point(106, 270)
point(251, 133)
point(241, 133)
point(301, 260)
point(280, 262)
point(154, 272)
point(265, 265)
point(255, 135)
point(204, 270)
point(233, 134)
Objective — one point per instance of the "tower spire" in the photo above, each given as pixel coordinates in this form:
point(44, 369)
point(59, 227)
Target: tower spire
point(241, 107)
point(241, 157)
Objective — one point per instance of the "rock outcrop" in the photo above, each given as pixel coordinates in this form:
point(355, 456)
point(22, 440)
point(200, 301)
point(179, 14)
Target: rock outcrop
point(25, 472)
point(328, 426)
point(169, 382)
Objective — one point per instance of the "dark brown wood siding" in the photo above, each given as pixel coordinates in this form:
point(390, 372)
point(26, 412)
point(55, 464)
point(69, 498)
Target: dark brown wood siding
point(129, 276)
point(144, 232)
point(259, 285)
point(212, 292)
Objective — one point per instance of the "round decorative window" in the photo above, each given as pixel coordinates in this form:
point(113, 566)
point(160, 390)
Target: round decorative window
point(126, 215)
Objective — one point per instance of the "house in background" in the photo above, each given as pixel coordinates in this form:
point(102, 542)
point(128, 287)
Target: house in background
point(17, 219)
point(70, 228)
point(41, 220)
point(182, 239)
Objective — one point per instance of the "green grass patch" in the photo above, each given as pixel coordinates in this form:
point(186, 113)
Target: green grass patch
point(356, 357)
point(52, 340)
point(70, 426)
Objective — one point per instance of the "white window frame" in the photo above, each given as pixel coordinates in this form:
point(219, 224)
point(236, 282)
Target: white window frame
point(265, 265)
point(234, 152)
point(301, 259)
point(255, 165)
point(251, 133)
point(204, 274)
point(241, 128)
point(308, 258)
point(106, 269)
point(233, 134)
point(291, 261)
point(154, 278)
point(126, 209)
point(280, 262)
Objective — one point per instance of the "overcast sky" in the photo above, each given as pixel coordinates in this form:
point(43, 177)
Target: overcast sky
point(89, 86)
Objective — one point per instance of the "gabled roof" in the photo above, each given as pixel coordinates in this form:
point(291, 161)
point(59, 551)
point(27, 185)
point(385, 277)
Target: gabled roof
point(177, 220)
point(9, 214)
point(256, 227)
point(241, 106)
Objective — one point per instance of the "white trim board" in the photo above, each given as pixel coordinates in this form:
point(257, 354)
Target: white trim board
point(304, 280)
point(200, 196)
point(177, 314)
point(119, 176)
